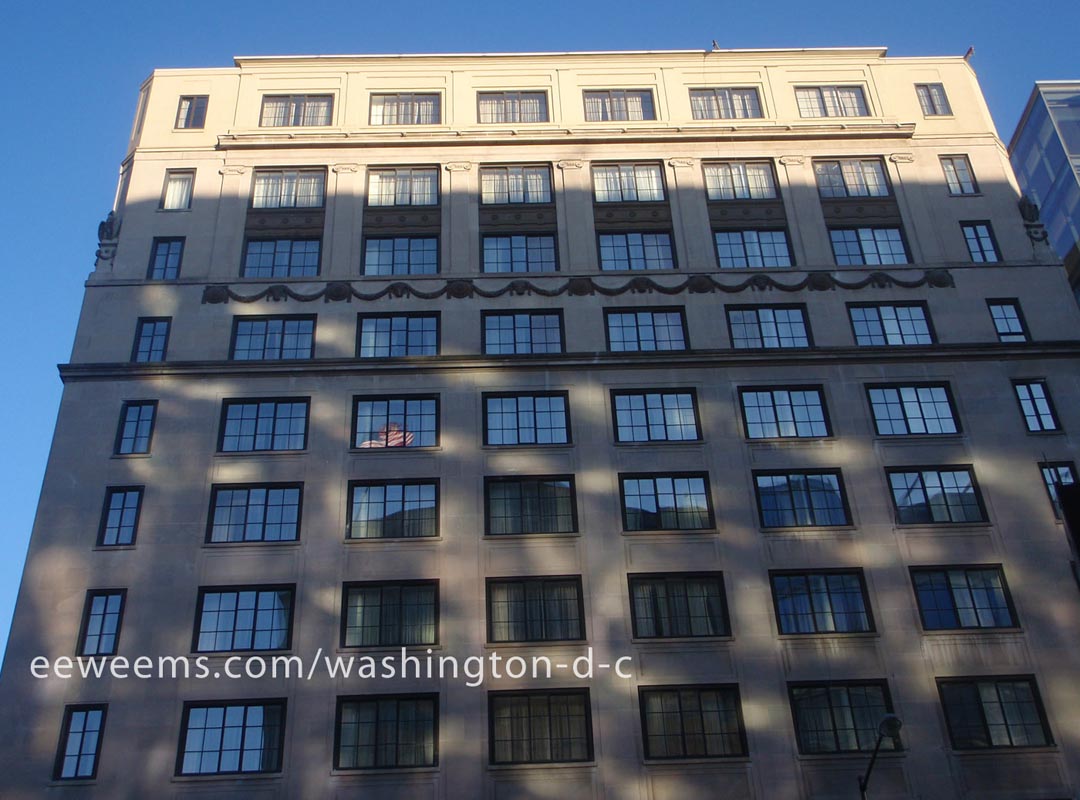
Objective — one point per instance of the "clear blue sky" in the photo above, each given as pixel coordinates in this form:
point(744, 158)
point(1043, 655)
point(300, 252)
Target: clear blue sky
point(73, 72)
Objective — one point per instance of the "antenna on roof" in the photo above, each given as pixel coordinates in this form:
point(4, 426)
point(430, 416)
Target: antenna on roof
point(715, 46)
point(969, 53)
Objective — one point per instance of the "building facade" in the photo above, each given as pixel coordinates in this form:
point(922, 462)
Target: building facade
point(734, 374)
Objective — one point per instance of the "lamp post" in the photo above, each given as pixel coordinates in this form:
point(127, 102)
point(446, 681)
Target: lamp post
point(889, 726)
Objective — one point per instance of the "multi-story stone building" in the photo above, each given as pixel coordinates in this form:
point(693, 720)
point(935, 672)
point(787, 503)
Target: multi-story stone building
point(737, 370)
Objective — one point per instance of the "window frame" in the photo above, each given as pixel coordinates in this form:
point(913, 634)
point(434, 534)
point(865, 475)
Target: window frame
point(575, 529)
point(757, 307)
point(530, 313)
point(128, 404)
point(882, 684)
point(484, 237)
point(930, 105)
point(743, 390)
point(710, 510)
point(633, 165)
point(745, 244)
point(643, 690)
point(991, 302)
point(546, 166)
point(857, 230)
point(84, 625)
point(713, 95)
point(342, 700)
point(937, 468)
point(973, 225)
point(440, 107)
point(858, 572)
point(169, 174)
point(651, 311)
point(216, 488)
point(410, 238)
point(403, 482)
point(157, 242)
point(787, 473)
point(196, 112)
point(282, 170)
point(140, 490)
point(362, 317)
point(820, 87)
point(608, 93)
point(743, 162)
point(633, 578)
point(583, 693)
point(227, 402)
point(291, 99)
point(354, 446)
point(506, 94)
point(1047, 398)
point(600, 234)
point(542, 580)
point(840, 161)
point(139, 336)
point(348, 586)
point(563, 393)
point(975, 680)
point(1055, 467)
point(946, 569)
point(238, 319)
point(398, 170)
point(246, 703)
point(292, 270)
point(950, 399)
point(920, 304)
point(613, 394)
point(238, 589)
point(65, 734)
point(975, 189)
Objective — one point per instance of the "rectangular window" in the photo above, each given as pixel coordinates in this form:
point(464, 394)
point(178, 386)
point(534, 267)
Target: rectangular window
point(740, 180)
point(1008, 320)
point(932, 100)
point(1036, 406)
point(1055, 475)
point(840, 717)
point(628, 183)
point(80, 742)
point(935, 496)
point(268, 512)
point(244, 618)
point(784, 413)
point(768, 326)
point(405, 109)
point(958, 175)
point(955, 598)
point(523, 333)
point(634, 251)
point(645, 331)
point(191, 112)
point(166, 253)
point(101, 620)
point(386, 732)
point(810, 499)
point(923, 410)
point(136, 427)
point(296, 110)
point(540, 504)
point(678, 605)
point(120, 516)
point(505, 107)
point(520, 253)
point(512, 185)
point(993, 712)
point(392, 336)
point(403, 186)
point(393, 510)
point(289, 188)
point(526, 419)
point(390, 614)
point(981, 245)
point(831, 101)
point(402, 255)
point(281, 258)
point(272, 338)
point(752, 248)
point(692, 722)
point(231, 739)
point(725, 103)
point(619, 105)
point(177, 193)
point(851, 178)
point(540, 727)
point(655, 416)
point(827, 601)
point(535, 610)
point(868, 246)
point(675, 501)
point(249, 426)
point(411, 421)
point(891, 325)
point(151, 339)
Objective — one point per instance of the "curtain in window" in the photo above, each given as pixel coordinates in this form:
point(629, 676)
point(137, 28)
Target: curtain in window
point(648, 182)
point(417, 615)
point(316, 111)
point(423, 187)
point(850, 101)
point(533, 108)
point(596, 107)
point(744, 103)
point(309, 189)
point(608, 184)
point(275, 112)
point(830, 179)
point(537, 184)
point(178, 190)
point(703, 105)
point(634, 105)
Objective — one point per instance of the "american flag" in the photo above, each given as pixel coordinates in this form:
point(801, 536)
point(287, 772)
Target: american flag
point(390, 438)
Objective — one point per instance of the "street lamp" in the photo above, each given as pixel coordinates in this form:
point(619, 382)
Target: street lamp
point(890, 726)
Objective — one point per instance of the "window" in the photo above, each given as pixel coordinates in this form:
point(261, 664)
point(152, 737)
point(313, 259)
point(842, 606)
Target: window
point(506, 185)
point(297, 110)
point(958, 175)
point(692, 722)
point(752, 248)
point(810, 499)
point(136, 427)
point(520, 253)
point(932, 100)
point(404, 186)
point(230, 739)
point(768, 326)
point(411, 421)
point(1036, 406)
point(191, 112)
point(405, 109)
point(272, 338)
point(912, 410)
point(827, 601)
point(390, 614)
point(840, 717)
point(80, 742)
point(523, 333)
point(390, 335)
point(402, 255)
point(261, 425)
point(851, 178)
point(831, 101)
point(980, 242)
point(526, 419)
point(386, 731)
point(1055, 475)
point(868, 246)
point(678, 605)
point(268, 512)
point(675, 501)
point(535, 610)
point(628, 183)
point(953, 598)
point(935, 495)
point(512, 107)
point(102, 615)
point(177, 193)
point(725, 103)
point(289, 188)
point(165, 257)
point(619, 105)
point(655, 416)
point(740, 180)
point(891, 325)
point(994, 712)
point(1008, 320)
point(540, 727)
point(120, 516)
point(244, 618)
point(637, 331)
point(151, 339)
point(541, 504)
point(393, 510)
point(281, 258)
point(784, 413)
point(625, 251)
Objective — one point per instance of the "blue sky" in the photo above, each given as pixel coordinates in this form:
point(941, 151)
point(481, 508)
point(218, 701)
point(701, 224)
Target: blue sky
point(73, 72)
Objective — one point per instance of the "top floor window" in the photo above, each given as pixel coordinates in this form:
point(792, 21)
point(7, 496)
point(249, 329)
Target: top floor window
point(403, 186)
point(851, 178)
point(619, 105)
point(506, 185)
point(831, 101)
point(406, 109)
point(296, 110)
point(932, 100)
point(725, 103)
point(628, 183)
point(191, 112)
point(512, 107)
point(288, 188)
point(740, 180)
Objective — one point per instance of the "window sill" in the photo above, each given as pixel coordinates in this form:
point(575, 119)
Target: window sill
point(547, 643)
point(125, 456)
point(997, 752)
point(861, 755)
point(391, 539)
point(517, 448)
point(427, 449)
point(837, 635)
point(383, 650)
point(791, 440)
point(518, 536)
point(661, 642)
point(219, 657)
point(286, 543)
point(809, 529)
point(917, 438)
point(702, 760)
point(260, 453)
point(672, 532)
point(665, 443)
point(968, 633)
point(590, 764)
point(1057, 432)
point(111, 547)
point(62, 782)
point(943, 527)
point(383, 771)
point(247, 777)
